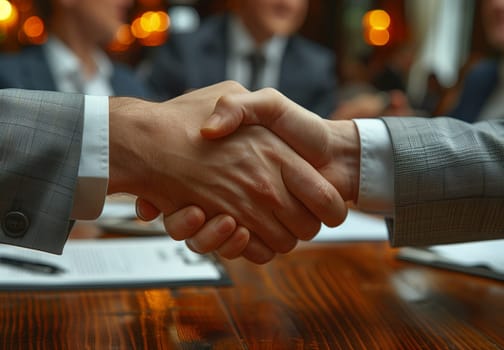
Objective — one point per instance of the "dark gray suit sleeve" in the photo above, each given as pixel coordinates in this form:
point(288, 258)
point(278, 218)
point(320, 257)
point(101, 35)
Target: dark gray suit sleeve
point(449, 180)
point(40, 146)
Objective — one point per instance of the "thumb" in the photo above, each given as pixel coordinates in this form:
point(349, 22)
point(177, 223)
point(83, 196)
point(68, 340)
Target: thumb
point(145, 210)
point(233, 110)
point(303, 130)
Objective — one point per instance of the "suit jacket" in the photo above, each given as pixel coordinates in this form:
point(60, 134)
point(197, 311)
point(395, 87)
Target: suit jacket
point(478, 86)
point(40, 147)
point(449, 180)
point(29, 69)
point(198, 59)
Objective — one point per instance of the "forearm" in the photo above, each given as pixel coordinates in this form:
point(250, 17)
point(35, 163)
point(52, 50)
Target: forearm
point(130, 124)
point(41, 144)
point(448, 180)
point(343, 169)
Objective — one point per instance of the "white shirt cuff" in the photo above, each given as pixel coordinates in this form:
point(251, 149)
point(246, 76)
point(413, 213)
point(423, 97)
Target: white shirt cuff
point(376, 184)
point(93, 176)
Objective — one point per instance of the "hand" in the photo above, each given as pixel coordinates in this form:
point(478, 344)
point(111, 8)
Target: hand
point(219, 234)
point(158, 154)
point(332, 147)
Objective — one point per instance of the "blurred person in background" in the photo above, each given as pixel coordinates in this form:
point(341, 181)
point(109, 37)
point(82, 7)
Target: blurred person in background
point(482, 96)
point(374, 84)
point(255, 44)
point(73, 59)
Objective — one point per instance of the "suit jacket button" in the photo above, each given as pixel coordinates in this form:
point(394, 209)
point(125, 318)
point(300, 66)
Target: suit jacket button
point(15, 224)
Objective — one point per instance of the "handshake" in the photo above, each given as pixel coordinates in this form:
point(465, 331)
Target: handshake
point(239, 173)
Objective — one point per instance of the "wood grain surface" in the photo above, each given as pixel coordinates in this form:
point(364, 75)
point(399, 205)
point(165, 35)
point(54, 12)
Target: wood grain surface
point(321, 296)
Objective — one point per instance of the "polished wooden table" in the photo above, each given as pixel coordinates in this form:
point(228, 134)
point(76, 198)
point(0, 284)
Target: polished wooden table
point(320, 296)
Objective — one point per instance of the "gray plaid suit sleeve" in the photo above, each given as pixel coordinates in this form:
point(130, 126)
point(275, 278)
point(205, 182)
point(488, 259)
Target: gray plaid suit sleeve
point(40, 146)
point(449, 180)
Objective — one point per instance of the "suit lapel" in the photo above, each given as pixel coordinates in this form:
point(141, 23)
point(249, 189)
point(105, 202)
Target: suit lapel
point(291, 84)
point(213, 56)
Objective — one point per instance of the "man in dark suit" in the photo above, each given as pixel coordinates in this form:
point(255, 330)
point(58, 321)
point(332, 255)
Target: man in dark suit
point(255, 45)
point(72, 59)
point(480, 84)
point(482, 94)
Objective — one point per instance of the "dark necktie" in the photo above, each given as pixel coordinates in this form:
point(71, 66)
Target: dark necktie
point(257, 62)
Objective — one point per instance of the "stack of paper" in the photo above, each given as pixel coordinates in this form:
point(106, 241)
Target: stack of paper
point(480, 258)
point(128, 262)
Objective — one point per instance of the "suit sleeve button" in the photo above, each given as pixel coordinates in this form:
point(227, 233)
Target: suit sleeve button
point(15, 224)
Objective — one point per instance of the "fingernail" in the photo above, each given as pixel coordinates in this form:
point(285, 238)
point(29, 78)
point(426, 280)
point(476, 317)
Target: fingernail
point(190, 244)
point(139, 213)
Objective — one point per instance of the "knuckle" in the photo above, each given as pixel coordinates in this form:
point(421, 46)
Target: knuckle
point(234, 86)
point(265, 188)
point(271, 91)
point(225, 102)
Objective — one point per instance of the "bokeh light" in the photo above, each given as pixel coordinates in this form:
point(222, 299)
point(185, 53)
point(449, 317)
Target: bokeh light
point(151, 28)
point(33, 27)
point(378, 37)
point(376, 25)
point(8, 14)
point(123, 39)
point(378, 19)
point(5, 10)
point(33, 31)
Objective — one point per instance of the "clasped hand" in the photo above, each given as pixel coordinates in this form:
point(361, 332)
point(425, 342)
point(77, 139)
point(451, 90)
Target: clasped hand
point(243, 191)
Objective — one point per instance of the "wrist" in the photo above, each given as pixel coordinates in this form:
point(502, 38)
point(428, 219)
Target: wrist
point(345, 149)
point(129, 123)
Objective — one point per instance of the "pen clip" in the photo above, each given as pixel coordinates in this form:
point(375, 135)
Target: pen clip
point(31, 265)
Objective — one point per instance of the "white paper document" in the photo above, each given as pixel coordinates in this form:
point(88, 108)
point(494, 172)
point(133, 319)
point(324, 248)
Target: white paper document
point(481, 258)
point(105, 263)
point(358, 226)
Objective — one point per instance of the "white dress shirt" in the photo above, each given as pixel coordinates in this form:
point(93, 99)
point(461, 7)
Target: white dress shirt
point(67, 71)
point(93, 173)
point(242, 45)
point(376, 183)
point(92, 181)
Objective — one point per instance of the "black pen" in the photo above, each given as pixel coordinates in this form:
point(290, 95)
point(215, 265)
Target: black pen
point(31, 266)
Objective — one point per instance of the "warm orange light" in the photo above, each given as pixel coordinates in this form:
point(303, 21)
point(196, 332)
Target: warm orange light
point(124, 36)
point(154, 39)
point(164, 21)
point(376, 24)
point(123, 39)
point(378, 37)
point(8, 13)
point(137, 30)
point(150, 21)
point(33, 27)
point(378, 19)
point(151, 28)
point(5, 10)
